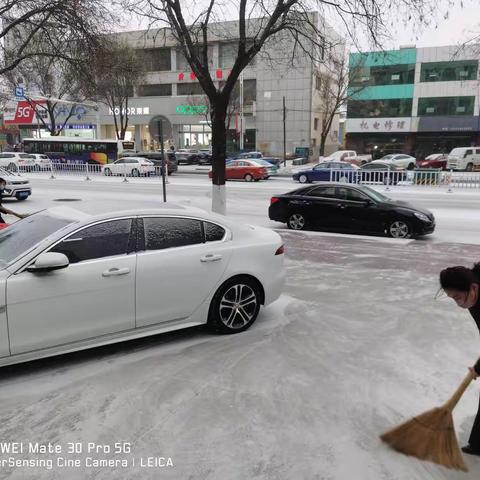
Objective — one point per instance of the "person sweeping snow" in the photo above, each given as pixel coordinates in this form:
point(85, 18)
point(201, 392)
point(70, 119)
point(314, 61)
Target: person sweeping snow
point(462, 285)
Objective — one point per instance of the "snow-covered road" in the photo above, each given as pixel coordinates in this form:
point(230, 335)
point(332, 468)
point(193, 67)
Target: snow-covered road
point(356, 344)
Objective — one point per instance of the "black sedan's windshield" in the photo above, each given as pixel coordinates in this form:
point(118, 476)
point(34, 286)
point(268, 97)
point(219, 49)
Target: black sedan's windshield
point(22, 236)
point(375, 195)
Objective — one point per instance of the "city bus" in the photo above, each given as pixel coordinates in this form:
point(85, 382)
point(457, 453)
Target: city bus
point(78, 150)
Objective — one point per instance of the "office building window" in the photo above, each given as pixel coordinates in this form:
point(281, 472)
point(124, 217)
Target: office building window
point(382, 75)
point(182, 63)
point(315, 123)
point(398, 107)
point(156, 59)
point(249, 91)
point(449, 71)
point(435, 106)
point(227, 53)
point(155, 90)
point(189, 89)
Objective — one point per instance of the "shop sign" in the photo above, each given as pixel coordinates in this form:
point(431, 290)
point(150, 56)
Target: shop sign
point(192, 109)
point(20, 113)
point(380, 125)
point(130, 111)
point(448, 124)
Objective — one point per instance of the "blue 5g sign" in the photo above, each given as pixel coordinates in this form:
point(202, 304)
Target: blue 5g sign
point(191, 109)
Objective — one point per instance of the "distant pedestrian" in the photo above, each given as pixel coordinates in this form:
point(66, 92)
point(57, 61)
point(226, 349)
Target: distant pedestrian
point(4, 210)
point(462, 284)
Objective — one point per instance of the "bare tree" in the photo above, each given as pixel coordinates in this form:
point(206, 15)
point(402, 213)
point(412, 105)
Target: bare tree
point(53, 89)
point(33, 28)
point(335, 92)
point(113, 74)
point(260, 22)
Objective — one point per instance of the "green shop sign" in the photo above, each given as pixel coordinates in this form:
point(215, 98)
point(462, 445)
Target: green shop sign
point(191, 109)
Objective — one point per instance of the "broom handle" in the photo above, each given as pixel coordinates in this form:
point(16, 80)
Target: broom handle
point(459, 392)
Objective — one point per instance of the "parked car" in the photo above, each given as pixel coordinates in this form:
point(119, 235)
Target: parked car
point(187, 156)
point(349, 156)
point(131, 166)
point(205, 156)
point(247, 170)
point(73, 281)
point(464, 158)
point(271, 169)
point(435, 160)
point(42, 162)
point(381, 172)
point(156, 159)
point(17, 186)
point(400, 160)
point(349, 208)
point(15, 161)
point(273, 160)
point(325, 171)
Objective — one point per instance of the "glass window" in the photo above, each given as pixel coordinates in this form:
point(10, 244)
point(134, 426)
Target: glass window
point(182, 63)
point(324, 192)
point(98, 241)
point(354, 195)
point(382, 75)
point(401, 107)
point(166, 232)
point(156, 59)
point(213, 232)
point(155, 90)
point(435, 106)
point(449, 71)
point(20, 237)
point(189, 89)
point(227, 53)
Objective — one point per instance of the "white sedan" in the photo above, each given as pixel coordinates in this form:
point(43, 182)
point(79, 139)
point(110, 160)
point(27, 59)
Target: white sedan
point(400, 160)
point(131, 166)
point(71, 281)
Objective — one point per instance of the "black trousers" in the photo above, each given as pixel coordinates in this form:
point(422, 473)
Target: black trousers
point(474, 440)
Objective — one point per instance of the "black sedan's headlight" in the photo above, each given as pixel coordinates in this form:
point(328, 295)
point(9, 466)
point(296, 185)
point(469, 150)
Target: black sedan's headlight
point(422, 217)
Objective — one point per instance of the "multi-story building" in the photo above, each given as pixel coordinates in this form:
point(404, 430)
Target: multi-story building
point(170, 92)
point(413, 100)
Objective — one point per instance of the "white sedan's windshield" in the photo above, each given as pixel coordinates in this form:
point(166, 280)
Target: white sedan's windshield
point(20, 237)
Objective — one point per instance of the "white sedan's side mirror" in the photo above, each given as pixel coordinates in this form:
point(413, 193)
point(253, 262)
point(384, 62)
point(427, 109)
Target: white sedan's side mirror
point(46, 262)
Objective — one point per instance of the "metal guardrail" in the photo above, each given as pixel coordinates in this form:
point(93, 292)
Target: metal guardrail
point(89, 171)
point(433, 178)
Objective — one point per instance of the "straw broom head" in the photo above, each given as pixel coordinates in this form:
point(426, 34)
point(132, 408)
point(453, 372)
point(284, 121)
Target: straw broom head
point(431, 435)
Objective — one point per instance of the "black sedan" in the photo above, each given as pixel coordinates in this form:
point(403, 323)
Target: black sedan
point(349, 208)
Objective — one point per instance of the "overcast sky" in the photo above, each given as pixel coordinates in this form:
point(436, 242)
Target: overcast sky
point(461, 24)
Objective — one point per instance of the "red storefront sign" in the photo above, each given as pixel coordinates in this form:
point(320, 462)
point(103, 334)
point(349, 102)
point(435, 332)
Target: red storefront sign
point(22, 114)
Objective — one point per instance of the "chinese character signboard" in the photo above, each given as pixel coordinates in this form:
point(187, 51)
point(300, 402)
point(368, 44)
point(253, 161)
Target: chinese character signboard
point(378, 125)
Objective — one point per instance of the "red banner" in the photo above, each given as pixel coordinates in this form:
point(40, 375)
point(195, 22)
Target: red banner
point(23, 114)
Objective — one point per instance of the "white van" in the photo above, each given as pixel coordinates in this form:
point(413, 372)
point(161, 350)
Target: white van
point(464, 158)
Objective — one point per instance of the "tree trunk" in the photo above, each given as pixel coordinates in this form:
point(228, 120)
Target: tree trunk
point(219, 154)
point(323, 140)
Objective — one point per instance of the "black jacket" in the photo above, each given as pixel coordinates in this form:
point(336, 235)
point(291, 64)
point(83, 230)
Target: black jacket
point(475, 313)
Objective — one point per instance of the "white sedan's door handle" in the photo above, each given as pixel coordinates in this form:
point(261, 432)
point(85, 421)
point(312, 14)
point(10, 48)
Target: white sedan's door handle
point(211, 258)
point(115, 272)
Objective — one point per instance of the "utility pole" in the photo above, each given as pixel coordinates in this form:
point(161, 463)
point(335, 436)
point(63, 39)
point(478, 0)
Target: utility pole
point(284, 134)
point(164, 163)
point(241, 111)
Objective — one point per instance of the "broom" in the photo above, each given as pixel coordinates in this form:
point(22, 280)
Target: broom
point(431, 436)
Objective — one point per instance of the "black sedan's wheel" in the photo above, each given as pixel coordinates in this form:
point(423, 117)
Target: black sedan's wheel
point(303, 178)
point(399, 229)
point(296, 221)
point(235, 306)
